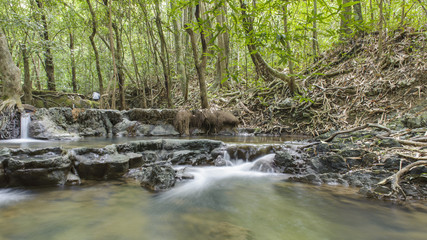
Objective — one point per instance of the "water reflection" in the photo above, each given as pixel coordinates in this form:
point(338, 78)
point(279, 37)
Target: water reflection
point(241, 207)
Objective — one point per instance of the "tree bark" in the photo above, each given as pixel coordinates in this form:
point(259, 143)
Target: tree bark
point(113, 55)
point(49, 66)
point(11, 75)
point(164, 56)
point(345, 15)
point(120, 68)
point(222, 57)
point(287, 43)
point(28, 84)
point(380, 30)
point(200, 66)
point(73, 64)
point(315, 43)
point(178, 54)
point(36, 69)
point(358, 17)
point(95, 49)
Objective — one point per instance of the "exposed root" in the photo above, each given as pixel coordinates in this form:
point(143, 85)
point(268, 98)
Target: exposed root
point(395, 178)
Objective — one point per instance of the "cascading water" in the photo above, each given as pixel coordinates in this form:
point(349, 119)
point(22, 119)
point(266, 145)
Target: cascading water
point(25, 123)
point(208, 178)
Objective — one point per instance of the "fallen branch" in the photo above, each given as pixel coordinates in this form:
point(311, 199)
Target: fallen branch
point(357, 129)
point(412, 157)
point(395, 178)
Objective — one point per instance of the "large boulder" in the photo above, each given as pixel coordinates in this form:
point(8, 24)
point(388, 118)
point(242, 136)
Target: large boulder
point(157, 178)
point(36, 167)
point(100, 163)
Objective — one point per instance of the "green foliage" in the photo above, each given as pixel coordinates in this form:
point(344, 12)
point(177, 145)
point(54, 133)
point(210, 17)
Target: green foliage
point(21, 22)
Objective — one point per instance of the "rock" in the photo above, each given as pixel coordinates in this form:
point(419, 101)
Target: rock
point(351, 153)
point(183, 174)
point(99, 163)
point(388, 143)
point(249, 152)
point(323, 147)
point(311, 178)
point(135, 159)
point(73, 179)
point(36, 167)
point(393, 163)
point(368, 159)
point(203, 145)
point(332, 163)
point(93, 122)
point(265, 164)
point(188, 157)
point(4, 157)
point(45, 128)
point(157, 178)
point(163, 130)
point(286, 163)
point(415, 121)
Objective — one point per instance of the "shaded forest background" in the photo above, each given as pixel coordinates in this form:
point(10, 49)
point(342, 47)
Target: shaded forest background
point(265, 56)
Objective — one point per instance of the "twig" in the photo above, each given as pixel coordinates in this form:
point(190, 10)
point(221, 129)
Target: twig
point(357, 129)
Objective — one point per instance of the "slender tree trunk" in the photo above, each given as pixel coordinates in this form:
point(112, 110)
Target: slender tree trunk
point(36, 67)
point(402, 12)
point(135, 65)
point(164, 56)
point(358, 17)
point(113, 55)
point(49, 66)
point(28, 84)
point(73, 64)
point(221, 62)
point(178, 54)
point(345, 16)
point(95, 49)
point(188, 16)
point(380, 30)
point(371, 9)
point(315, 44)
point(120, 68)
point(287, 43)
point(200, 66)
point(11, 76)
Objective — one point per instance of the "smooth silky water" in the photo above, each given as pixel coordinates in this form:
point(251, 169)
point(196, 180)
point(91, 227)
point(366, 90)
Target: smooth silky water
point(220, 203)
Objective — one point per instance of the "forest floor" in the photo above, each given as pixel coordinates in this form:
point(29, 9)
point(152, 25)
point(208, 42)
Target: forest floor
point(348, 86)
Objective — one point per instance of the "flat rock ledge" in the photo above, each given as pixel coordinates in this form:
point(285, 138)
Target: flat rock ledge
point(154, 164)
point(70, 124)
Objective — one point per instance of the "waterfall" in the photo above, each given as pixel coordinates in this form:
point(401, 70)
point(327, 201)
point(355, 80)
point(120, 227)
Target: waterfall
point(25, 124)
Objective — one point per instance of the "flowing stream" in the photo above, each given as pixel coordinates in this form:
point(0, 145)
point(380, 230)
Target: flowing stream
point(220, 203)
point(232, 202)
point(25, 123)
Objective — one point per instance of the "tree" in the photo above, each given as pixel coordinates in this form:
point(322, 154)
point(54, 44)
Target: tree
point(200, 66)
point(11, 76)
point(49, 66)
point(263, 69)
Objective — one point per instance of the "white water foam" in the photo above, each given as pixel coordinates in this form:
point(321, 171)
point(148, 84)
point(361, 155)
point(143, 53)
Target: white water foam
point(10, 196)
point(207, 177)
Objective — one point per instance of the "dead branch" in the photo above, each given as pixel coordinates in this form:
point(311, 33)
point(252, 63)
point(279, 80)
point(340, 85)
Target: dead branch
point(395, 178)
point(357, 129)
point(412, 157)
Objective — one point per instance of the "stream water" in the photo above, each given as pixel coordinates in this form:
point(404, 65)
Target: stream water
point(220, 203)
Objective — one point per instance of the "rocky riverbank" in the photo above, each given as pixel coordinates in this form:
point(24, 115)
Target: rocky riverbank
point(355, 159)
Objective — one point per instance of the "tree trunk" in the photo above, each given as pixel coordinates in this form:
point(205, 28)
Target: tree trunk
point(49, 67)
point(164, 56)
point(315, 44)
point(200, 66)
point(358, 17)
point(345, 15)
point(178, 54)
point(36, 69)
point(28, 84)
point(95, 49)
point(263, 69)
point(11, 77)
point(221, 62)
point(120, 68)
point(287, 43)
point(113, 56)
point(73, 64)
point(380, 30)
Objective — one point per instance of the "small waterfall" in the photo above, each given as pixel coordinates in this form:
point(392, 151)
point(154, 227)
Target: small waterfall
point(25, 124)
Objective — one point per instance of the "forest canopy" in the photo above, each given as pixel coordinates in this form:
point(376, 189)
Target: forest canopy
point(156, 54)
